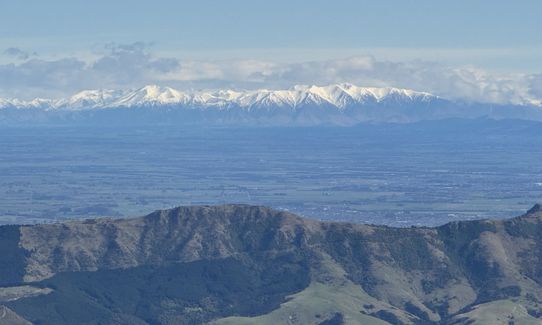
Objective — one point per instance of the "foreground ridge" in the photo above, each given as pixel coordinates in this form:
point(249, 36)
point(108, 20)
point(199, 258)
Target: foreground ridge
point(241, 264)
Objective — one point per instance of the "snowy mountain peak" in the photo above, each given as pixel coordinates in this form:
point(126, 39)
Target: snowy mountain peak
point(149, 95)
point(336, 95)
point(88, 99)
point(335, 104)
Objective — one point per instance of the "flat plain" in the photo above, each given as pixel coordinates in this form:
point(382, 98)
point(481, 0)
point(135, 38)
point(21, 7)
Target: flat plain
point(396, 174)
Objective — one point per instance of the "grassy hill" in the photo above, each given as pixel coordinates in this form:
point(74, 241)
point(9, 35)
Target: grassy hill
point(239, 264)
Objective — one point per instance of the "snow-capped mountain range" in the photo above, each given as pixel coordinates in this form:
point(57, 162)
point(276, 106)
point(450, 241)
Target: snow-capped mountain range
point(337, 95)
point(337, 104)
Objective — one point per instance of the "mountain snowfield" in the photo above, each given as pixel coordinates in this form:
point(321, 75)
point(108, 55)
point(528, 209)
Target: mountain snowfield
point(337, 104)
point(338, 95)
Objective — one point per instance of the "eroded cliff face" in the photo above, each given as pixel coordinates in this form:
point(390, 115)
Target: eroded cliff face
point(447, 274)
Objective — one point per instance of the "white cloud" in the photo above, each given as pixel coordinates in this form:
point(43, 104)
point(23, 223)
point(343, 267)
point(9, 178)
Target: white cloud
point(467, 82)
point(17, 53)
point(133, 65)
point(535, 85)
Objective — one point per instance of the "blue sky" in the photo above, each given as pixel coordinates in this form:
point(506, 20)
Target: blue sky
point(497, 37)
point(205, 24)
